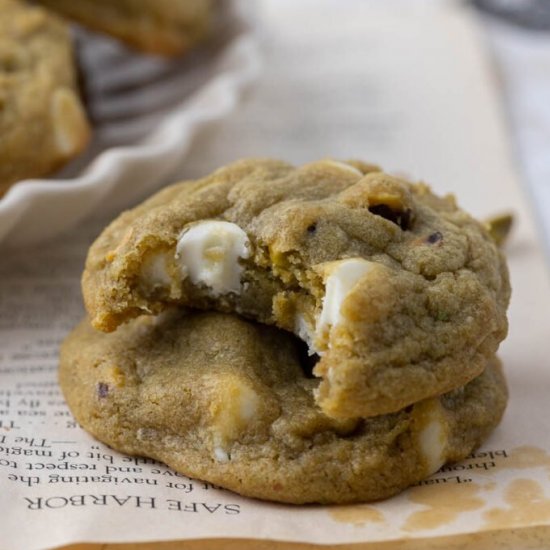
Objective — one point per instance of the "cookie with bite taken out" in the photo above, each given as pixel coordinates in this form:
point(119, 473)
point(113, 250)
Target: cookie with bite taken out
point(400, 293)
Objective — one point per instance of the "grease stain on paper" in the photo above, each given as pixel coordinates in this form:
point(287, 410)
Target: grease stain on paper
point(356, 514)
point(518, 458)
point(444, 504)
point(527, 505)
point(527, 457)
point(524, 500)
point(489, 486)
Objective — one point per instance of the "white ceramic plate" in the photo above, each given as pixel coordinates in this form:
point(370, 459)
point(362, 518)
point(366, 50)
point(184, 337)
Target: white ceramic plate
point(144, 112)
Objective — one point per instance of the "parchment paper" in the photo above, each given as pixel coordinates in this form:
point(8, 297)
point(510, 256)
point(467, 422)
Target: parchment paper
point(410, 89)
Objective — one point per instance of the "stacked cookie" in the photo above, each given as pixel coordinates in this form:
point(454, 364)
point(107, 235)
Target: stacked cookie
point(316, 334)
point(43, 123)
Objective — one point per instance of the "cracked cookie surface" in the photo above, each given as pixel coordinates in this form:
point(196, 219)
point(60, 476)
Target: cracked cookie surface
point(401, 293)
point(167, 27)
point(231, 402)
point(42, 121)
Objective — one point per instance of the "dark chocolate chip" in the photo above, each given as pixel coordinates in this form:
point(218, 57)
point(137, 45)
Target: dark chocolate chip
point(102, 389)
point(435, 237)
point(402, 218)
point(312, 228)
point(384, 211)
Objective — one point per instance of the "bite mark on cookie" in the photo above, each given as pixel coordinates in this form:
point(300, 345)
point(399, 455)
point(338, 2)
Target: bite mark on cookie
point(342, 276)
point(155, 271)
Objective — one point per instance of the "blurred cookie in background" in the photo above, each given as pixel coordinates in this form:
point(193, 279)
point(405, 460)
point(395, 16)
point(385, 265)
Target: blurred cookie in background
point(42, 121)
point(164, 27)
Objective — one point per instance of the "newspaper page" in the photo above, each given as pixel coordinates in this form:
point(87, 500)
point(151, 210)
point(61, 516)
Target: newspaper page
point(410, 89)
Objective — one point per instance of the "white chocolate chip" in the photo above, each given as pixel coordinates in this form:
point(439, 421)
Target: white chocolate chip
point(70, 128)
point(249, 405)
point(234, 406)
point(154, 271)
point(306, 332)
point(343, 275)
point(209, 252)
point(343, 166)
point(330, 163)
point(220, 454)
point(432, 437)
point(240, 405)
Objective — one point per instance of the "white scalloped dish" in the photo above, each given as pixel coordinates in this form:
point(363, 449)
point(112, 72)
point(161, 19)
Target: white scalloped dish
point(144, 112)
